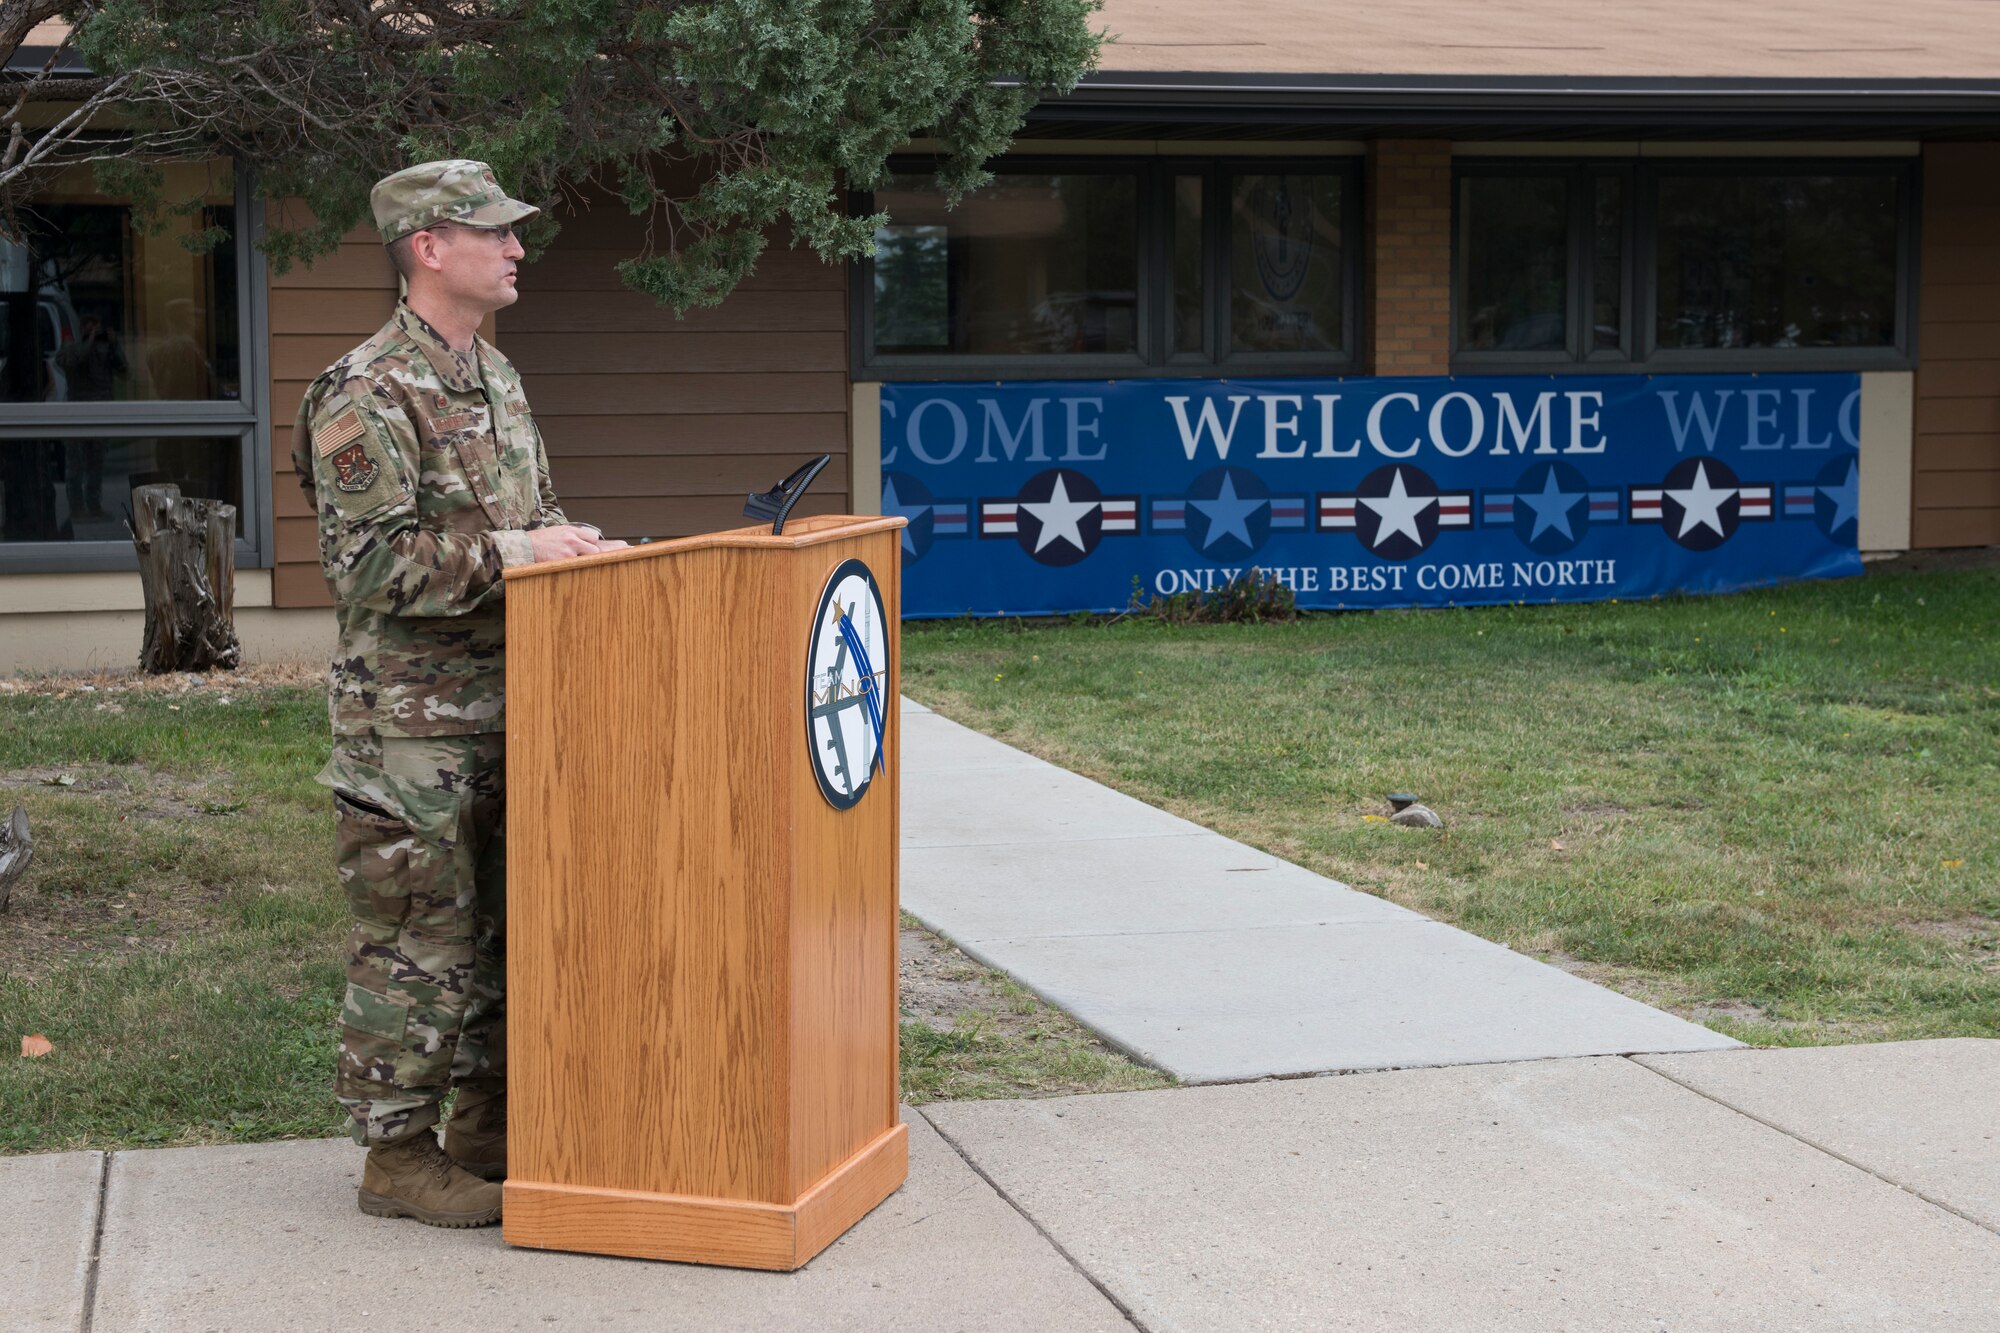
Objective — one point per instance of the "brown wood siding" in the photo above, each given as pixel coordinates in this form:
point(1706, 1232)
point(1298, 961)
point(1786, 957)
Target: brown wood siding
point(317, 314)
point(656, 427)
point(1955, 454)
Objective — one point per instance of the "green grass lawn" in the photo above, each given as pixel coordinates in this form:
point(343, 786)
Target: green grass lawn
point(1778, 812)
point(179, 936)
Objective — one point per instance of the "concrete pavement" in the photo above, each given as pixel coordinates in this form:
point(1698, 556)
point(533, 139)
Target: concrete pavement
point(48, 1226)
point(1589, 1194)
point(1578, 1194)
point(1853, 1188)
point(268, 1238)
point(1210, 959)
point(1925, 1114)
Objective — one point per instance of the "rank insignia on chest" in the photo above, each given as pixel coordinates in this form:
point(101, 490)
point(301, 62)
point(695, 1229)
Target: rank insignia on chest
point(353, 469)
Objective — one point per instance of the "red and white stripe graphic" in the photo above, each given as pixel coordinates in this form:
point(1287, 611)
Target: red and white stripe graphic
point(1121, 513)
point(1753, 502)
point(1336, 511)
point(1455, 511)
point(1646, 504)
point(998, 518)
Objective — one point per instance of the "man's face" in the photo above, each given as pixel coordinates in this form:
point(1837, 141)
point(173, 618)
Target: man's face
point(477, 265)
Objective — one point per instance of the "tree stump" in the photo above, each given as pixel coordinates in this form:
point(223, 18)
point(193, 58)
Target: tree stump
point(17, 850)
point(187, 565)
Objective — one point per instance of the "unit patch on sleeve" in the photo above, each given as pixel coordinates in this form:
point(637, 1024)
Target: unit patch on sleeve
point(353, 470)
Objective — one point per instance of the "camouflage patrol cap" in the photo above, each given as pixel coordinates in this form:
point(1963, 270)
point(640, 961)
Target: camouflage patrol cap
point(455, 190)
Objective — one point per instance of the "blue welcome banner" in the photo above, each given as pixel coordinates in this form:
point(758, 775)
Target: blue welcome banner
point(1031, 498)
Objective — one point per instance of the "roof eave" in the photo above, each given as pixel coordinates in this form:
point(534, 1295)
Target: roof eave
point(1891, 105)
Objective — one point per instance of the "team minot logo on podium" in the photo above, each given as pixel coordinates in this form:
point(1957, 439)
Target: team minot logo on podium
point(847, 683)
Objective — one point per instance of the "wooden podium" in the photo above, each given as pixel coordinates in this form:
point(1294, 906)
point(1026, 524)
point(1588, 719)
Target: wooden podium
point(701, 966)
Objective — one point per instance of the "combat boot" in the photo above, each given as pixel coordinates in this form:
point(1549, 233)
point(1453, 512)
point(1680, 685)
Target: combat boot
point(476, 1134)
point(412, 1177)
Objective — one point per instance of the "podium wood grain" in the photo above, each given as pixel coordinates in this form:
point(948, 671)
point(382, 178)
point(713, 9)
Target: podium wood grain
point(701, 950)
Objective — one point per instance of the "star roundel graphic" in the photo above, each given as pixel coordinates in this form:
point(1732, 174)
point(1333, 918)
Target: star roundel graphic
point(903, 496)
point(1396, 512)
point(1552, 508)
point(1699, 503)
point(1228, 513)
point(1837, 498)
point(1059, 518)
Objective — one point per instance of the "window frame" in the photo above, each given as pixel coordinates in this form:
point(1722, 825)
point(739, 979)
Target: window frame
point(246, 417)
point(1639, 267)
point(1154, 247)
point(1218, 238)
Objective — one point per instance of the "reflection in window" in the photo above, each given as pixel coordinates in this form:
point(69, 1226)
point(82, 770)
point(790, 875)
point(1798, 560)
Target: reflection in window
point(80, 490)
point(1777, 261)
point(95, 309)
point(1607, 274)
point(912, 297)
point(1286, 264)
point(1029, 265)
point(1513, 263)
point(1184, 329)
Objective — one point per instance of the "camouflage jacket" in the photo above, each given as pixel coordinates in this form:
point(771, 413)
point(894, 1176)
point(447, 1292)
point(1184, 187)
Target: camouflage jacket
point(426, 470)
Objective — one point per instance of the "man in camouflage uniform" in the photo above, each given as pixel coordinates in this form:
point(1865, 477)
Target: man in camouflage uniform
point(418, 454)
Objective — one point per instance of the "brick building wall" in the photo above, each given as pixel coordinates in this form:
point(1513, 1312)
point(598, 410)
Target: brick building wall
point(1408, 298)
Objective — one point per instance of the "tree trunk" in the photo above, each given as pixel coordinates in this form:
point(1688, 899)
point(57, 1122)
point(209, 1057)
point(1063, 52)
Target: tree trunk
point(187, 564)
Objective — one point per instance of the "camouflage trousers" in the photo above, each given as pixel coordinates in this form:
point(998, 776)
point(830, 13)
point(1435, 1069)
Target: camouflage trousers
point(421, 850)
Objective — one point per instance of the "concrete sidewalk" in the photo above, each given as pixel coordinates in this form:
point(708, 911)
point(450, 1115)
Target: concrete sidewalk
point(1577, 1194)
point(1853, 1188)
point(1210, 959)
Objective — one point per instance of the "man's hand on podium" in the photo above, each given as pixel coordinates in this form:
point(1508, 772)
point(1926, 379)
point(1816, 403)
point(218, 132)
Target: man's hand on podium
point(561, 543)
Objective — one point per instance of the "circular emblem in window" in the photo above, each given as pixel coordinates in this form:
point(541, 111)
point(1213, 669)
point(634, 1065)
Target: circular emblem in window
point(847, 683)
point(1281, 218)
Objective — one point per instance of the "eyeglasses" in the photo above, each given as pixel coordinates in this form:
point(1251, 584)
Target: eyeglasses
point(503, 234)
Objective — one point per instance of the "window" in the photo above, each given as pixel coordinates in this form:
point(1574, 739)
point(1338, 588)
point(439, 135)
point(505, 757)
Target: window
point(1681, 264)
point(123, 362)
point(1287, 263)
point(1108, 267)
point(1032, 265)
point(1513, 272)
point(1791, 261)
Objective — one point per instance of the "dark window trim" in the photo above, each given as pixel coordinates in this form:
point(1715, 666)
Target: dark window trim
point(1642, 356)
point(83, 557)
point(1154, 197)
point(255, 282)
point(247, 418)
point(1584, 226)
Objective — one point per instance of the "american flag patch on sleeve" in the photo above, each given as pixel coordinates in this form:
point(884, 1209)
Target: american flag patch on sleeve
point(342, 430)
